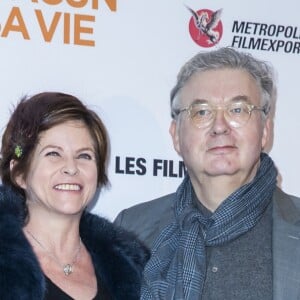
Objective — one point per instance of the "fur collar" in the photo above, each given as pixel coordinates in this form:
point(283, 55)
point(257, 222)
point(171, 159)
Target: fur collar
point(117, 256)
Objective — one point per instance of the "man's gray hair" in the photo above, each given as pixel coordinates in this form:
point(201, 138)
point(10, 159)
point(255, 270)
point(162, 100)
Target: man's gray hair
point(230, 58)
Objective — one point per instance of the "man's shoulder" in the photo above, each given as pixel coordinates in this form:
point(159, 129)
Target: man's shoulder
point(149, 210)
point(287, 207)
point(163, 202)
point(148, 218)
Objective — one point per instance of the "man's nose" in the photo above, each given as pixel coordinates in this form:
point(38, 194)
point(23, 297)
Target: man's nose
point(219, 124)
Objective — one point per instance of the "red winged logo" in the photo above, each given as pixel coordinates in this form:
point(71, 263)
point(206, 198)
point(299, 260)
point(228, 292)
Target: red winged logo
point(205, 26)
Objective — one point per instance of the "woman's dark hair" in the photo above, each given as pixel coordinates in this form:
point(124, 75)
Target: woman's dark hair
point(39, 113)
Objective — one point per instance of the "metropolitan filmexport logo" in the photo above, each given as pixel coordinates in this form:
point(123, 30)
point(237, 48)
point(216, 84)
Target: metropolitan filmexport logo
point(205, 27)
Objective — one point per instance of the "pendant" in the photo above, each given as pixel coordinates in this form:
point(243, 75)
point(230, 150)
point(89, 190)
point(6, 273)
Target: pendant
point(68, 269)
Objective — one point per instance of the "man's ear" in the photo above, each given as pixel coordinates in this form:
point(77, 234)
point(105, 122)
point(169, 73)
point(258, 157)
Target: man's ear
point(268, 135)
point(173, 130)
point(19, 178)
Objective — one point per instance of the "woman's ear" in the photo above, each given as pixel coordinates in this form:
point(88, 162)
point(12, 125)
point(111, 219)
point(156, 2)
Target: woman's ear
point(19, 179)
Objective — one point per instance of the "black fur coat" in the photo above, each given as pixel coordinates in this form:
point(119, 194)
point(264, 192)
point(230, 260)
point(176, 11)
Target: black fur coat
point(117, 256)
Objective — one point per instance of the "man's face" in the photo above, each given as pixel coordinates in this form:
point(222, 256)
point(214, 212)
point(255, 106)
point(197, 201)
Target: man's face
point(219, 149)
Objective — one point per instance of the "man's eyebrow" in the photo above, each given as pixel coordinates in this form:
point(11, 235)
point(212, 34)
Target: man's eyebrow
point(240, 98)
point(200, 101)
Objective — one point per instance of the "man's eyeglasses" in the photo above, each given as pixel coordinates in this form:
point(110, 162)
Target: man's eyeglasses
point(237, 114)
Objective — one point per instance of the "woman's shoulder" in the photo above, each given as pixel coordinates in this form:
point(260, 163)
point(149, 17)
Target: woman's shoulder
point(20, 271)
point(102, 235)
point(11, 204)
point(118, 256)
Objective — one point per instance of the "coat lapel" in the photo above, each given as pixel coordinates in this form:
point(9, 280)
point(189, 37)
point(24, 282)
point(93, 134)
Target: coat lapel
point(286, 247)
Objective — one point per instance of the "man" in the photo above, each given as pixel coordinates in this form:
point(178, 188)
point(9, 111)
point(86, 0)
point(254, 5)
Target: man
point(228, 232)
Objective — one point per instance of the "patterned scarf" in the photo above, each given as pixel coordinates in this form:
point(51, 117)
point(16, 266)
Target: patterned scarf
point(177, 267)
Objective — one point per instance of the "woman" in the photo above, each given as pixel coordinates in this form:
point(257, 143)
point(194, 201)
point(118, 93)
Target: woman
point(53, 158)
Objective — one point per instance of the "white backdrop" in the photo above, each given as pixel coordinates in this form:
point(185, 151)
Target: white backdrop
point(121, 58)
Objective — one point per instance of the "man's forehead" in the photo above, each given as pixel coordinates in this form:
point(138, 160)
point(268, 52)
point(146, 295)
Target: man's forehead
point(220, 85)
point(235, 99)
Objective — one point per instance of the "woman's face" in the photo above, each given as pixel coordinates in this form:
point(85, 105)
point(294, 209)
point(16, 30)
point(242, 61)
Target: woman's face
point(62, 177)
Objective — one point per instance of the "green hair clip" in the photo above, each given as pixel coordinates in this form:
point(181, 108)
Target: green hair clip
point(18, 151)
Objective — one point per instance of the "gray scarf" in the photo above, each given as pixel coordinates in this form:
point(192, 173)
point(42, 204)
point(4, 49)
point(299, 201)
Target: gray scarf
point(177, 267)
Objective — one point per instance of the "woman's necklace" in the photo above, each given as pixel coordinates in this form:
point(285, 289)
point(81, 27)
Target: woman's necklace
point(67, 268)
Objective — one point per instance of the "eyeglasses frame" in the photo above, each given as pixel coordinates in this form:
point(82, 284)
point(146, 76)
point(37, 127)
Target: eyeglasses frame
point(251, 107)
